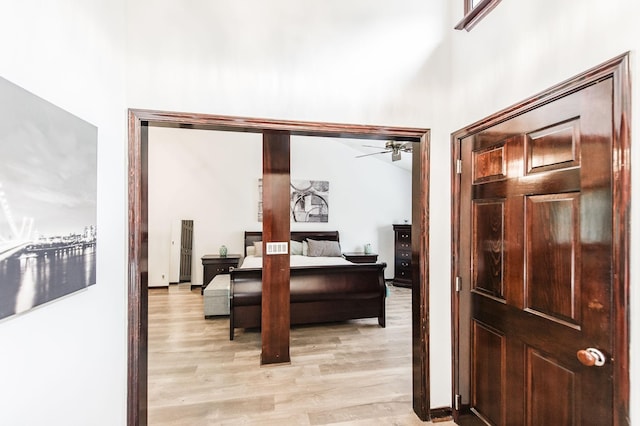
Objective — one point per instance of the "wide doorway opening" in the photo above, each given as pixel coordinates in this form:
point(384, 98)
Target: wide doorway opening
point(139, 123)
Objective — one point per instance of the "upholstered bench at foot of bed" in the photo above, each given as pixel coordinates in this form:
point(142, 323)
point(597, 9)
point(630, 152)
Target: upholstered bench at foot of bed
point(216, 296)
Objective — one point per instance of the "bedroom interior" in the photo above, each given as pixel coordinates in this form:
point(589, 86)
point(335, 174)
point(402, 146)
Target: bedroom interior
point(276, 224)
point(221, 170)
point(398, 63)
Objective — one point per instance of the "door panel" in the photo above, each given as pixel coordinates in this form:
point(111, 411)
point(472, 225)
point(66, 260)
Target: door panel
point(552, 286)
point(488, 223)
point(489, 354)
point(536, 250)
point(186, 248)
point(550, 391)
point(554, 147)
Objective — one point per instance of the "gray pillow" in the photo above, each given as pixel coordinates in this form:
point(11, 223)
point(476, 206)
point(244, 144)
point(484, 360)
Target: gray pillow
point(324, 248)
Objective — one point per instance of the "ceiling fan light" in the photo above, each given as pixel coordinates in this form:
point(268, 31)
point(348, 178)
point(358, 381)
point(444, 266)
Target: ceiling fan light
point(395, 155)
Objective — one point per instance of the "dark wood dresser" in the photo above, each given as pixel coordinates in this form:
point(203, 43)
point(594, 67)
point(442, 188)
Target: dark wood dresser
point(403, 275)
point(214, 264)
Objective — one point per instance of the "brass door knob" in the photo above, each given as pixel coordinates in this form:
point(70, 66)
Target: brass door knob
point(591, 357)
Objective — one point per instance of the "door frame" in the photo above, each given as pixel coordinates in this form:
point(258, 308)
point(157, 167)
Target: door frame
point(617, 69)
point(138, 142)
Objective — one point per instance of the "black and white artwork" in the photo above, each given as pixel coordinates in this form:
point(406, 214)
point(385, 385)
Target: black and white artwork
point(48, 186)
point(309, 201)
point(259, 200)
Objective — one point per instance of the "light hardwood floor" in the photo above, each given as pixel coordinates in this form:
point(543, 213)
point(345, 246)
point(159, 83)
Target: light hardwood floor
point(352, 373)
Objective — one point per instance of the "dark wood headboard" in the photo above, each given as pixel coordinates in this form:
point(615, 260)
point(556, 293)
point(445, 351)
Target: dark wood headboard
point(251, 237)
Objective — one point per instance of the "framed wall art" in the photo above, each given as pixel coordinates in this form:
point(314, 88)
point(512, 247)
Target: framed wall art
point(48, 184)
point(309, 201)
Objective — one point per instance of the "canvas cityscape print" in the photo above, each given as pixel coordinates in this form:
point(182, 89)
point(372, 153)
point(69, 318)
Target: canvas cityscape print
point(47, 201)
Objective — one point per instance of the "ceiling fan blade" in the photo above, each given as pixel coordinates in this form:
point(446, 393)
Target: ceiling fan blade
point(372, 146)
point(373, 153)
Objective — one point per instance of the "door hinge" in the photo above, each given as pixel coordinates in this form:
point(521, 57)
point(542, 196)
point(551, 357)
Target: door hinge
point(458, 284)
point(457, 402)
point(459, 166)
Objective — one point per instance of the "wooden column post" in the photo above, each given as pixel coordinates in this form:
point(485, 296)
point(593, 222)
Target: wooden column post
point(275, 228)
point(420, 282)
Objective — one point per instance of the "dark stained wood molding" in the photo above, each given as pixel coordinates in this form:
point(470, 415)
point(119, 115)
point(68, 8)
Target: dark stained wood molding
point(139, 121)
point(621, 234)
point(617, 69)
point(441, 414)
point(455, 272)
point(276, 227)
point(420, 289)
point(138, 299)
point(295, 128)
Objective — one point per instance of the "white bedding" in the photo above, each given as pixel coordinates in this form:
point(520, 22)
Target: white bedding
point(297, 260)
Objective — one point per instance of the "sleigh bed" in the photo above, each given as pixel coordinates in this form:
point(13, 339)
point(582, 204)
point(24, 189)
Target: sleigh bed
point(322, 288)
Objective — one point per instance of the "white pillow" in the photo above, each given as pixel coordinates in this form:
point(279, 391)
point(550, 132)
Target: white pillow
point(258, 248)
point(295, 247)
point(251, 251)
point(305, 248)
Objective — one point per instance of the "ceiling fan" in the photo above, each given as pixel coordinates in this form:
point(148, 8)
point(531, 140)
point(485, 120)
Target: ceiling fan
point(395, 148)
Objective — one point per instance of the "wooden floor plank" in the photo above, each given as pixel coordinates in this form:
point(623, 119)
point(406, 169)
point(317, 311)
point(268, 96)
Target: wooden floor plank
point(350, 373)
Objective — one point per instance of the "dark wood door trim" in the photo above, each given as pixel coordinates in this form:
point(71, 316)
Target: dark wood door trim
point(139, 122)
point(260, 125)
point(420, 269)
point(138, 313)
point(618, 70)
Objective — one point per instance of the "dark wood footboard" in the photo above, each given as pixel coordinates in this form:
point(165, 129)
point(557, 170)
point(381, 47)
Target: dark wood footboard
point(318, 294)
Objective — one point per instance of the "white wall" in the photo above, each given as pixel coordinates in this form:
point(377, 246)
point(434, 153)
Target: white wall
point(211, 177)
point(206, 176)
point(367, 196)
point(331, 61)
point(65, 363)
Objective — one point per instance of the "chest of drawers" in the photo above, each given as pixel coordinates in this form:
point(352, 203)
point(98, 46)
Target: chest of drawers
point(402, 248)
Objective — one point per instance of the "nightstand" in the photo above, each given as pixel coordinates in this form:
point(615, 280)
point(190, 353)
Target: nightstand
point(214, 264)
point(361, 257)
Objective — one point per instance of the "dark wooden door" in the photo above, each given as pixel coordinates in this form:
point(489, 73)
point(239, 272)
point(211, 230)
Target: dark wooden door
point(536, 264)
point(186, 248)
